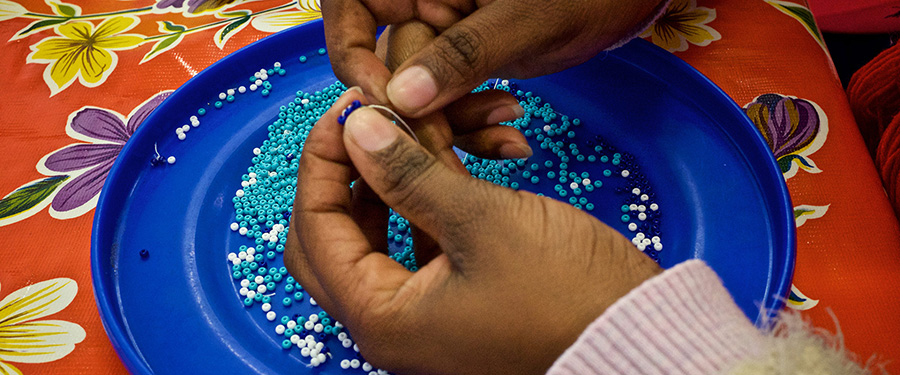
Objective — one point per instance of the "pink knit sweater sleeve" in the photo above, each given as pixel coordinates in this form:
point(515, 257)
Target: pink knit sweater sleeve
point(680, 322)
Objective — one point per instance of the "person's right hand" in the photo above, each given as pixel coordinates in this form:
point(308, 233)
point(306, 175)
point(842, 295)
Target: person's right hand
point(517, 279)
point(477, 40)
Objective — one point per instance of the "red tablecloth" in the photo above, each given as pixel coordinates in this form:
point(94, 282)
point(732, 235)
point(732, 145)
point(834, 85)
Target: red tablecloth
point(83, 76)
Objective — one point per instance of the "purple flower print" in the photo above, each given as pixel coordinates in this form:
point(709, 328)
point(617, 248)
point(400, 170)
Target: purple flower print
point(110, 133)
point(194, 6)
point(789, 126)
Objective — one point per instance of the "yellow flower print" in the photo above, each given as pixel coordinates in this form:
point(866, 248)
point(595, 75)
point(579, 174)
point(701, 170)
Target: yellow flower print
point(307, 10)
point(24, 339)
point(683, 22)
point(84, 51)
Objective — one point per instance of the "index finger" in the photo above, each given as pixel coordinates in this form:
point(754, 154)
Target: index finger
point(354, 276)
point(350, 35)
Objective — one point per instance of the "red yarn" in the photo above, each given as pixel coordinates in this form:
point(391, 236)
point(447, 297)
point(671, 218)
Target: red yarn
point(874, 94)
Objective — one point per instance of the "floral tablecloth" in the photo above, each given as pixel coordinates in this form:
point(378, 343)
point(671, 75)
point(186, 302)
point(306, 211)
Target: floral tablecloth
point(82, 77)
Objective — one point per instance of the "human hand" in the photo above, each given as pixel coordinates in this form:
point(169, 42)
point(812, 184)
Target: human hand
point(477, 40)
point(517, 279)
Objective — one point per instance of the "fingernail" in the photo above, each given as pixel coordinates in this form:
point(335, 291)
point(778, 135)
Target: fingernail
point(357, 89)
point(370, 130)
point(515, 151)
point(505, 113)
point(412, 89)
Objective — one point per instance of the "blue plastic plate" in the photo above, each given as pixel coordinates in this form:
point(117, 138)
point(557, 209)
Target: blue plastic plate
point(178, 310)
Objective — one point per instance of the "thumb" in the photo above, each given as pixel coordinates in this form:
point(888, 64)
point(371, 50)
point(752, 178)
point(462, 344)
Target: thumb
point(408, 178)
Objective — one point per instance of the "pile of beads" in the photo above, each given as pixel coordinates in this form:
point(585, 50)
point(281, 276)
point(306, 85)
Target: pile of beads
point(563, 159)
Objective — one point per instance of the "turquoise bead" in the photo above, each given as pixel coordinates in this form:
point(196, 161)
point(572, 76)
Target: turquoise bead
point(258, 297)
point(218, 104)
point(322, 315)
point(626, 218)
point(326, 320)
point(534, 179)
point(248, 301)
point(287, 301)
point(285, 319)
point(589, 206)
point(276, 277)
point(229, 98)
point(328, 330)
point(236, 275)
point(298, 296)
point(286, 344)
point(252, 286)
point(607, 172)
point(270, 255)
point(289, 288)
point(201, 111)
point(302, 59)
point(270, 285)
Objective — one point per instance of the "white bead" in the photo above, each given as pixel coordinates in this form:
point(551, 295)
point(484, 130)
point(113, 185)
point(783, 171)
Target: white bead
point(256, 74)
point(230, 91)
point(642, 208)
point(338, 325)
point(195, 123)
point(244, 291)
point(547, 128)
point(633, 207)
point(309, 325)
point(194, 118)
point(271, 315)
point(245, 283)
point(252, 87)
point(235, 227)
point(636, 191)
point(642, 216)
point(265, 236)
point(635, 241)
point(354, 363)
point(311, 345)
point(373, 373)
point(242, 255)
point(261, 288)
point(252, 181)
point(258, 279)
point(366, 366)
point(504, 82)
point(314, 362)
point(257, 151)
point(251, 251)
point(356, 348)
point(573, 185)
point(641, 247)
point(239, 193)
point(245, 183)
point(318, 328)
point(295, 339)
point(278, 227)
point(277, 64)
point(382, 372)
point(625, 173)
point(657, 246)
point(236, 261)
point(242, 89)
point(178, 130)
point(242, 231)
point(264, 77)
point(345, 364)
point(232, 256)
point(171, 160)
point(341, 336)
point(644, 197)
point(185, 128)
point(347, 343)
point(321, 357)
point(654, 206)
point(319, 346)
point(645, 242)
point(182, 136)
point(304, 351)
point(314, 318)
point(312, 301)
point(586, 182)
point(279, 329)
point(273, 174)
point(251, 174)
point(291, 324)
point(304, 101)
point(632, 227)
point(222, 96)
point(251, 294)
point(258, 82)
point(310, 338)
point(639, 236)
point(655, 239)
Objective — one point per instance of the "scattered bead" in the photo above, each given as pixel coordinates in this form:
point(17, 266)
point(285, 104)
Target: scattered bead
point(171, 160)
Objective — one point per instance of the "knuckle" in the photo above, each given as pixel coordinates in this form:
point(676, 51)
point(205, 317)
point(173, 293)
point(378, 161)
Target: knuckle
point(461, 49)
point(406, 167)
